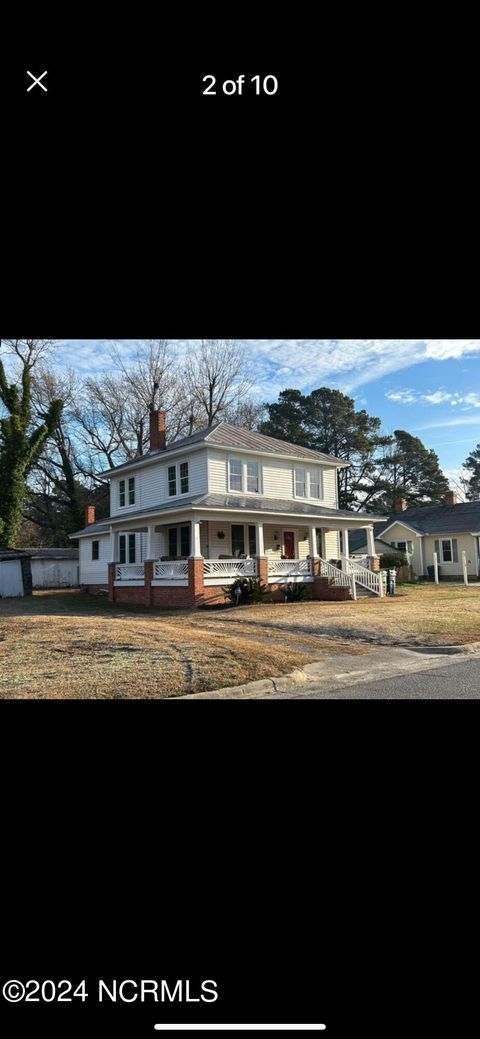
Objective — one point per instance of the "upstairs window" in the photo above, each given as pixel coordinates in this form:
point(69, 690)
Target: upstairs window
point(314, 483)
point(95, 548)
point(300, 483)
point(183, 477)
point(252, 477)
point(172, 480)
point(235, 475)
point(123, 491)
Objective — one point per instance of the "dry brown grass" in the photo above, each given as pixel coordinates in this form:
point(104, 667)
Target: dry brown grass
point(70, 645)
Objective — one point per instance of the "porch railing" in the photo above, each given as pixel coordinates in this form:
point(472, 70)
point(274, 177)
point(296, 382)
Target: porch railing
point(129, 572)
point(339, 577)
point(176, 570)
point(225, 571)
point(370, 579)
point(289, 569)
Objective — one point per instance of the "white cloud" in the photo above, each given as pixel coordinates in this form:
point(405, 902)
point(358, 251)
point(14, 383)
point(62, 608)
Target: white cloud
point(470, 420)
point(302, 363)
point(469, 400)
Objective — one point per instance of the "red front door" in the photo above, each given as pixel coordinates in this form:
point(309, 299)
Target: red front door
point(289, 544)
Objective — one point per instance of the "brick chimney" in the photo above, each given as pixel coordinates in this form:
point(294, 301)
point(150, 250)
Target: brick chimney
point(400, 504)
point(157, 431)
point(89, 515)
point(450, 498)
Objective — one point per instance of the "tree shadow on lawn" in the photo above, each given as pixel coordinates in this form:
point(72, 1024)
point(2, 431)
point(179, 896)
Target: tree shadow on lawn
point(73, 602)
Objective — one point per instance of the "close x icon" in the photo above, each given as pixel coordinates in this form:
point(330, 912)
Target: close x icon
point(37, 81)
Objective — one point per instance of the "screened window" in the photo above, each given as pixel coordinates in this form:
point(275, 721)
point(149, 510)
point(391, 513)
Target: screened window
point(185, 541)
point(172, 480)
point(121, 493)
point(172, 541)
point(235, 474)
point(252, 541)
point(131, 491)
point(314, 483)
point(131, 548)
point(300, 483)
point(95, 548)
point(252, 477)
point(183, 477)
point(122, 550)
point(238, 540)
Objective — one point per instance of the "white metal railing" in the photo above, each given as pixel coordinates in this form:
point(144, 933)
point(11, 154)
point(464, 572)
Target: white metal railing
point(227, 568)
point(129, 572)
point(289, 567)
point(176, 570)
point(370, 579)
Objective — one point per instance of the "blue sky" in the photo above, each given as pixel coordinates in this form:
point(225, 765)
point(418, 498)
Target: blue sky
point(431, 387)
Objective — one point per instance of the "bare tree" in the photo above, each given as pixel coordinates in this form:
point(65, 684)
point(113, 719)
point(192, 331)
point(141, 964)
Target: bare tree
point(216, 380)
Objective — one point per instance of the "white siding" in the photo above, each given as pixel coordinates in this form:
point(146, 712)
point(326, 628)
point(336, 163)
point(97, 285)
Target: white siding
point(94, 571)
point(277, 479)
point(151, 483)
point(332, 545)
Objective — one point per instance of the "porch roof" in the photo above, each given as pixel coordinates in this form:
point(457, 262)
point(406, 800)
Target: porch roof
point(231, 503)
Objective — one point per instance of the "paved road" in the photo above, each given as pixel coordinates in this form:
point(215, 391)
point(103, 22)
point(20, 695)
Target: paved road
point(457, 680)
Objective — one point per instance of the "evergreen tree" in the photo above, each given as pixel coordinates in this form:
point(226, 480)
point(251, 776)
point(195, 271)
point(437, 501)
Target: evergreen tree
point(414, 473)
point(472, 465)
point(287, 419)
point(20, 445)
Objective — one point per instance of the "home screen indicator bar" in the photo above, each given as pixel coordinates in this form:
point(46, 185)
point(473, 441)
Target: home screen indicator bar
point(238, 1028)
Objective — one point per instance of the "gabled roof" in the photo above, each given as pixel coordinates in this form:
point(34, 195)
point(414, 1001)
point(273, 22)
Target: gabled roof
point(463, 518)
point(222, 434)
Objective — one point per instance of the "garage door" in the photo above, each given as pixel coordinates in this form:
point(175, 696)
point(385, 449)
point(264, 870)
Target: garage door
point(11, 582)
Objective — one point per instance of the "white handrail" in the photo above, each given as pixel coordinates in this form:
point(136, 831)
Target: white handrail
point(370, 579)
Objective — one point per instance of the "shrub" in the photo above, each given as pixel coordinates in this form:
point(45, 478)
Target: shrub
point(251, 590)
point(392, 560)
point(297, 592)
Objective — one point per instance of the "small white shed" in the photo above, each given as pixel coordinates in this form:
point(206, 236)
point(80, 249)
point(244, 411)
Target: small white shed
point(15, 573)
point(55, 567)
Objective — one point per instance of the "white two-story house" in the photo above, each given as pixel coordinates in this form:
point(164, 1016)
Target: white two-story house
point(226, 496)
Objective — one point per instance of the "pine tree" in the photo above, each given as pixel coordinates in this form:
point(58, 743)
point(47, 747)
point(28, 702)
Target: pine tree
point(20, 445)
point(472, 465)
point(414, 473)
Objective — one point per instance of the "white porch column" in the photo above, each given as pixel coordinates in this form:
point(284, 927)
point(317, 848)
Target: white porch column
point(370, 541)
point(312, 541)
point(150, 542)
point(195, 539)
point(259, 539)
point(346, 545)
point(113, 546)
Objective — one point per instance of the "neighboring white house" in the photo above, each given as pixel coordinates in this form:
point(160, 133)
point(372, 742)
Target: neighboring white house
point(419, 531)
point(224, 494)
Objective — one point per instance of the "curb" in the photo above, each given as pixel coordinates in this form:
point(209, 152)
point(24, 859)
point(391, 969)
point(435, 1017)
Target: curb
point(300, 676)
point(470, 647)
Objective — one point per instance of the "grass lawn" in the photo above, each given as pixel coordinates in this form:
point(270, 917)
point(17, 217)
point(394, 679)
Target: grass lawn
point(72, 645)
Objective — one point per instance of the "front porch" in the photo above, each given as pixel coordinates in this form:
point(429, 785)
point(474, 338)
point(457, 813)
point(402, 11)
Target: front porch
point(189, 563)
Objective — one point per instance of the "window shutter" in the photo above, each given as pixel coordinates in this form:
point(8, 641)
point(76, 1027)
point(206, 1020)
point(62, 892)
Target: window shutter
point(455, 550)
point(437, 550)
